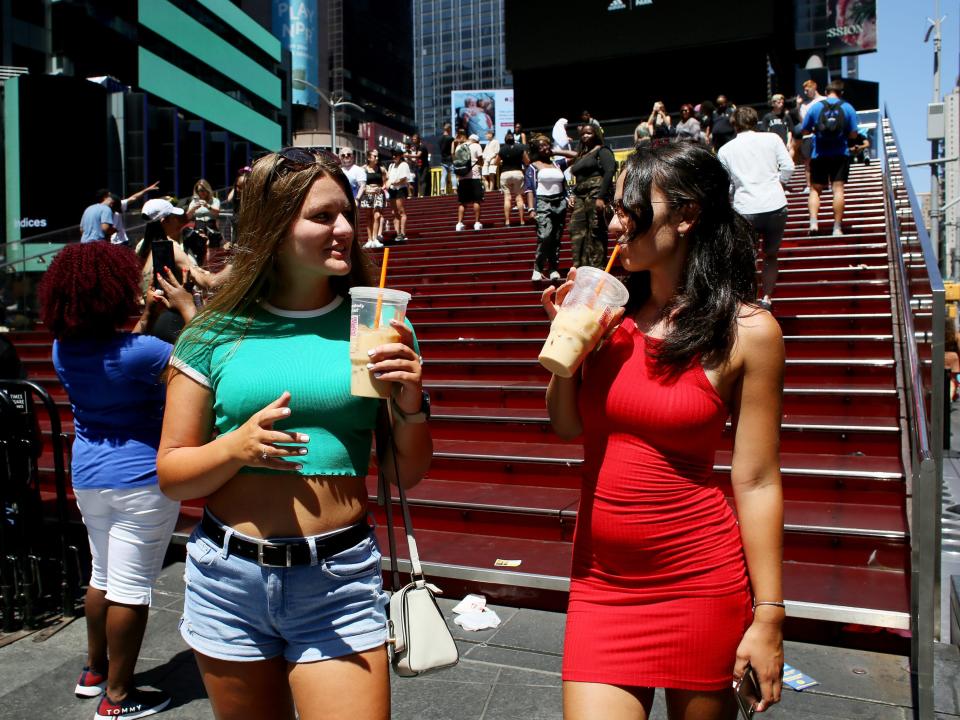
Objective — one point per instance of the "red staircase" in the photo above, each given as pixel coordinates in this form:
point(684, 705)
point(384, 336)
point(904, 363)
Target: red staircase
point(503, 487)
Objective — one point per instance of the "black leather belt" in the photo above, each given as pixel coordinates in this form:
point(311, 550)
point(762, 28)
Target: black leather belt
point(285, 553)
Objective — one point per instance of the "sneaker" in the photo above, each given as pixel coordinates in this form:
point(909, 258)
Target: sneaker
point(478, 226)
point(375, 244)
point(90, 684)
point(813, 232)
point(460, 227)
point(138, 704)
point(399, 239)
point(537, 276)
point(554, 275)
point(368, 245)
point(837, 230)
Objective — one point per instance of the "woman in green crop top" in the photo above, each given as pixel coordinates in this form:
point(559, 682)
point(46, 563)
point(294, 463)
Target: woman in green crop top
point(284, 603)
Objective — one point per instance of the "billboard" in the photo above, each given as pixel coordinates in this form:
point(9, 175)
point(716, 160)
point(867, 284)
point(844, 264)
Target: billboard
point(610, 29)
point(851, 27)
point(295, 23)
point(477, 111)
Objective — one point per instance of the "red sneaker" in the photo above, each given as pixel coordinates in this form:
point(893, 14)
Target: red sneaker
point(138, 704)
point(90, 684)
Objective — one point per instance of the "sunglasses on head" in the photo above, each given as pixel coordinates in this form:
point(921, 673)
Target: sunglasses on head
point(295, 159)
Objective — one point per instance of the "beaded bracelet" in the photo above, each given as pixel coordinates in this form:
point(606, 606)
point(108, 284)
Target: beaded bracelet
point(757, 604)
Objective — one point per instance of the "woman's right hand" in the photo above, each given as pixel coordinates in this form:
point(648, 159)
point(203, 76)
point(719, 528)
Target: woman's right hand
point(254, 442)
point(552, 298)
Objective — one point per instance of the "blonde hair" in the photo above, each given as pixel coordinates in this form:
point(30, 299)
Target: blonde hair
point(202, 184)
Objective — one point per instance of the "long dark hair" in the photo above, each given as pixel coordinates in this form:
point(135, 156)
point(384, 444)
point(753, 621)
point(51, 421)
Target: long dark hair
point(720, 270)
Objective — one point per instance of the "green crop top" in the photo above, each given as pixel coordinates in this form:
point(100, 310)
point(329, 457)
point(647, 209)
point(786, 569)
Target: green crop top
point(306, 352)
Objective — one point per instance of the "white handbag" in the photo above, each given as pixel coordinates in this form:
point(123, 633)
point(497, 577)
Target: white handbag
point(418, 636)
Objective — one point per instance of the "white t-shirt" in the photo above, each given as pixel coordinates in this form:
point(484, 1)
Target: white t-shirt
point(356, 176)
point(120, 237)
point(808, 103)
point(758, 163)
point(202, 212)
point(398, 175)
point(476, 156)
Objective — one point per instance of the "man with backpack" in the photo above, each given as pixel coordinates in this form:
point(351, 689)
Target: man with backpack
point(832, 122)
point(466, 166)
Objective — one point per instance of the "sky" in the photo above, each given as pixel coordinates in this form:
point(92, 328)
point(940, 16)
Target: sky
point(903, 65)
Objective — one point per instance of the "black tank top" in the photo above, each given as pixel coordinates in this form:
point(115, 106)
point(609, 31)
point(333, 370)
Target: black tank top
point(373, 178)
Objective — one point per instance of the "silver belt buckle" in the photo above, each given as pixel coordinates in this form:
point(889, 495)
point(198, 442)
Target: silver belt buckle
point(288, 551)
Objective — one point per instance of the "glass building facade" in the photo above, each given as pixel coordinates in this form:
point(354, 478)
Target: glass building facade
point(457, 45)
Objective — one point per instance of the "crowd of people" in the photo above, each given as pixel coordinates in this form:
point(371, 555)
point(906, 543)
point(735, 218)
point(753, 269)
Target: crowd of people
point(215, 395)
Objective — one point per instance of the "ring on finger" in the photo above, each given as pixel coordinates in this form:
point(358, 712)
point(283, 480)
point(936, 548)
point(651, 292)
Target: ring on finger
point(263, 456)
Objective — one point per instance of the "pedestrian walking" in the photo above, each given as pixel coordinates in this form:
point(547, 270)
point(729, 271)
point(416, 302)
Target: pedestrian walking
point(398, 190)
point(512, 161)
point(373, 199)
point(546, 190)
point(831, 123)
point(593, 169)
point(759, 167)
point(467, 159)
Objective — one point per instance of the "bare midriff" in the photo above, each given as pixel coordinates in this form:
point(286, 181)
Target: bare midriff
point(268, 505)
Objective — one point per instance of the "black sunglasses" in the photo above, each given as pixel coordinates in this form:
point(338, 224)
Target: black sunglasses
point(295, 159)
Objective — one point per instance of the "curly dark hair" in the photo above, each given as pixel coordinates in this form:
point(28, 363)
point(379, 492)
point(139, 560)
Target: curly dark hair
point(90, 291)
point(720, 271)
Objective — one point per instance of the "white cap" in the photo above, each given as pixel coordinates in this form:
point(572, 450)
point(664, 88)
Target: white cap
point(158, 209)
point(474, 137)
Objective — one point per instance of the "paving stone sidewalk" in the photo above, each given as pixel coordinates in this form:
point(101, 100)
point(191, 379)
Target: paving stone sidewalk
point(509, 673)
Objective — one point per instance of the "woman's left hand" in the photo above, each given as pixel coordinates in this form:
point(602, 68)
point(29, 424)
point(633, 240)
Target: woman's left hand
point(399, 363)
point(762, 648)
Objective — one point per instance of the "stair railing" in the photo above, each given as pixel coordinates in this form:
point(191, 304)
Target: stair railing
point(917, 288)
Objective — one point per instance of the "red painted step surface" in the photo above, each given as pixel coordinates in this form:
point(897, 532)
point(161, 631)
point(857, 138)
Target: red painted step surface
point(502, 485)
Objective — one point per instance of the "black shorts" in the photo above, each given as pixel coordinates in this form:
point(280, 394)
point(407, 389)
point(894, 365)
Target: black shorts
point(827, 170)
point(470, 190)
point(400, 193)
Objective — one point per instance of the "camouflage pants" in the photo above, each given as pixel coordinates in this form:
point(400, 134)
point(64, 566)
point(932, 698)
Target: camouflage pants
point(588, 228)
point(551, 216)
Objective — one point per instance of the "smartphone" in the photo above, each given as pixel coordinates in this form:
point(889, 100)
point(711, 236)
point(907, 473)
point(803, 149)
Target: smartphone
point(162, 255)
point(747, 690)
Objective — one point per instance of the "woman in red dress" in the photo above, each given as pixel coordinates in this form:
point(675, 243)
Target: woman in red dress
point(667, 589)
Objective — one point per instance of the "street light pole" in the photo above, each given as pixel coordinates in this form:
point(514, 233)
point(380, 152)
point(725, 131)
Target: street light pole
point(935, 239)
point(333, 104)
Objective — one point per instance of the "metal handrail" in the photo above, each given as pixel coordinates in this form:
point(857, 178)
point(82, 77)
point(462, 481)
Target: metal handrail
point(925, 441)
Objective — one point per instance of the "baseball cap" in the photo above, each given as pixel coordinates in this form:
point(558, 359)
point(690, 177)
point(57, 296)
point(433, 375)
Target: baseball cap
point(474, 137)
point(158, 209)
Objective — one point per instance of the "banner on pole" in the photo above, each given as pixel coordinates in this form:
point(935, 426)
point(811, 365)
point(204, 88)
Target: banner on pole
point(295, 23)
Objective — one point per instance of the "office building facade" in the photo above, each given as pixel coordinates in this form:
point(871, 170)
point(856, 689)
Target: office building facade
point(457, 45)
point(133, 92)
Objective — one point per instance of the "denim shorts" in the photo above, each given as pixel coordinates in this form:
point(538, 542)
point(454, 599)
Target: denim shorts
point(234, 609)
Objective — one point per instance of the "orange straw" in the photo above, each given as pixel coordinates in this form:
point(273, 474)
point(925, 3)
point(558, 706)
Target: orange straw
point(383, 282)
point(613, 257)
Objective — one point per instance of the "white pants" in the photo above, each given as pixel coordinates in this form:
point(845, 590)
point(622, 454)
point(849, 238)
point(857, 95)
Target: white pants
point(129, 530)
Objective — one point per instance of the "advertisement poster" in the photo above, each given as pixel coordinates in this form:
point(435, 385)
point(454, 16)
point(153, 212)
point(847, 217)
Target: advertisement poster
point(295, 23)
point(477, 111)
point(851, 26)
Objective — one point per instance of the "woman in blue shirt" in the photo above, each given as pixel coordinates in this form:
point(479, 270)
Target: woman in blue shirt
point(113, 380)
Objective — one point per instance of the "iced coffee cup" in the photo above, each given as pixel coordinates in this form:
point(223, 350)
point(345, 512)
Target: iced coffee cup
point(581, 320)
point(366, 334)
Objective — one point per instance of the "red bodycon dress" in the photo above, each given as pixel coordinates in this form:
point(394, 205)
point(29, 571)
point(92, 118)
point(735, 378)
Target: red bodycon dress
point(659, 595)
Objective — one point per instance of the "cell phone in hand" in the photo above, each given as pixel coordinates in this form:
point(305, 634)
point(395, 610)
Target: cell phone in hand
point(747, 691)
point(162, 256)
